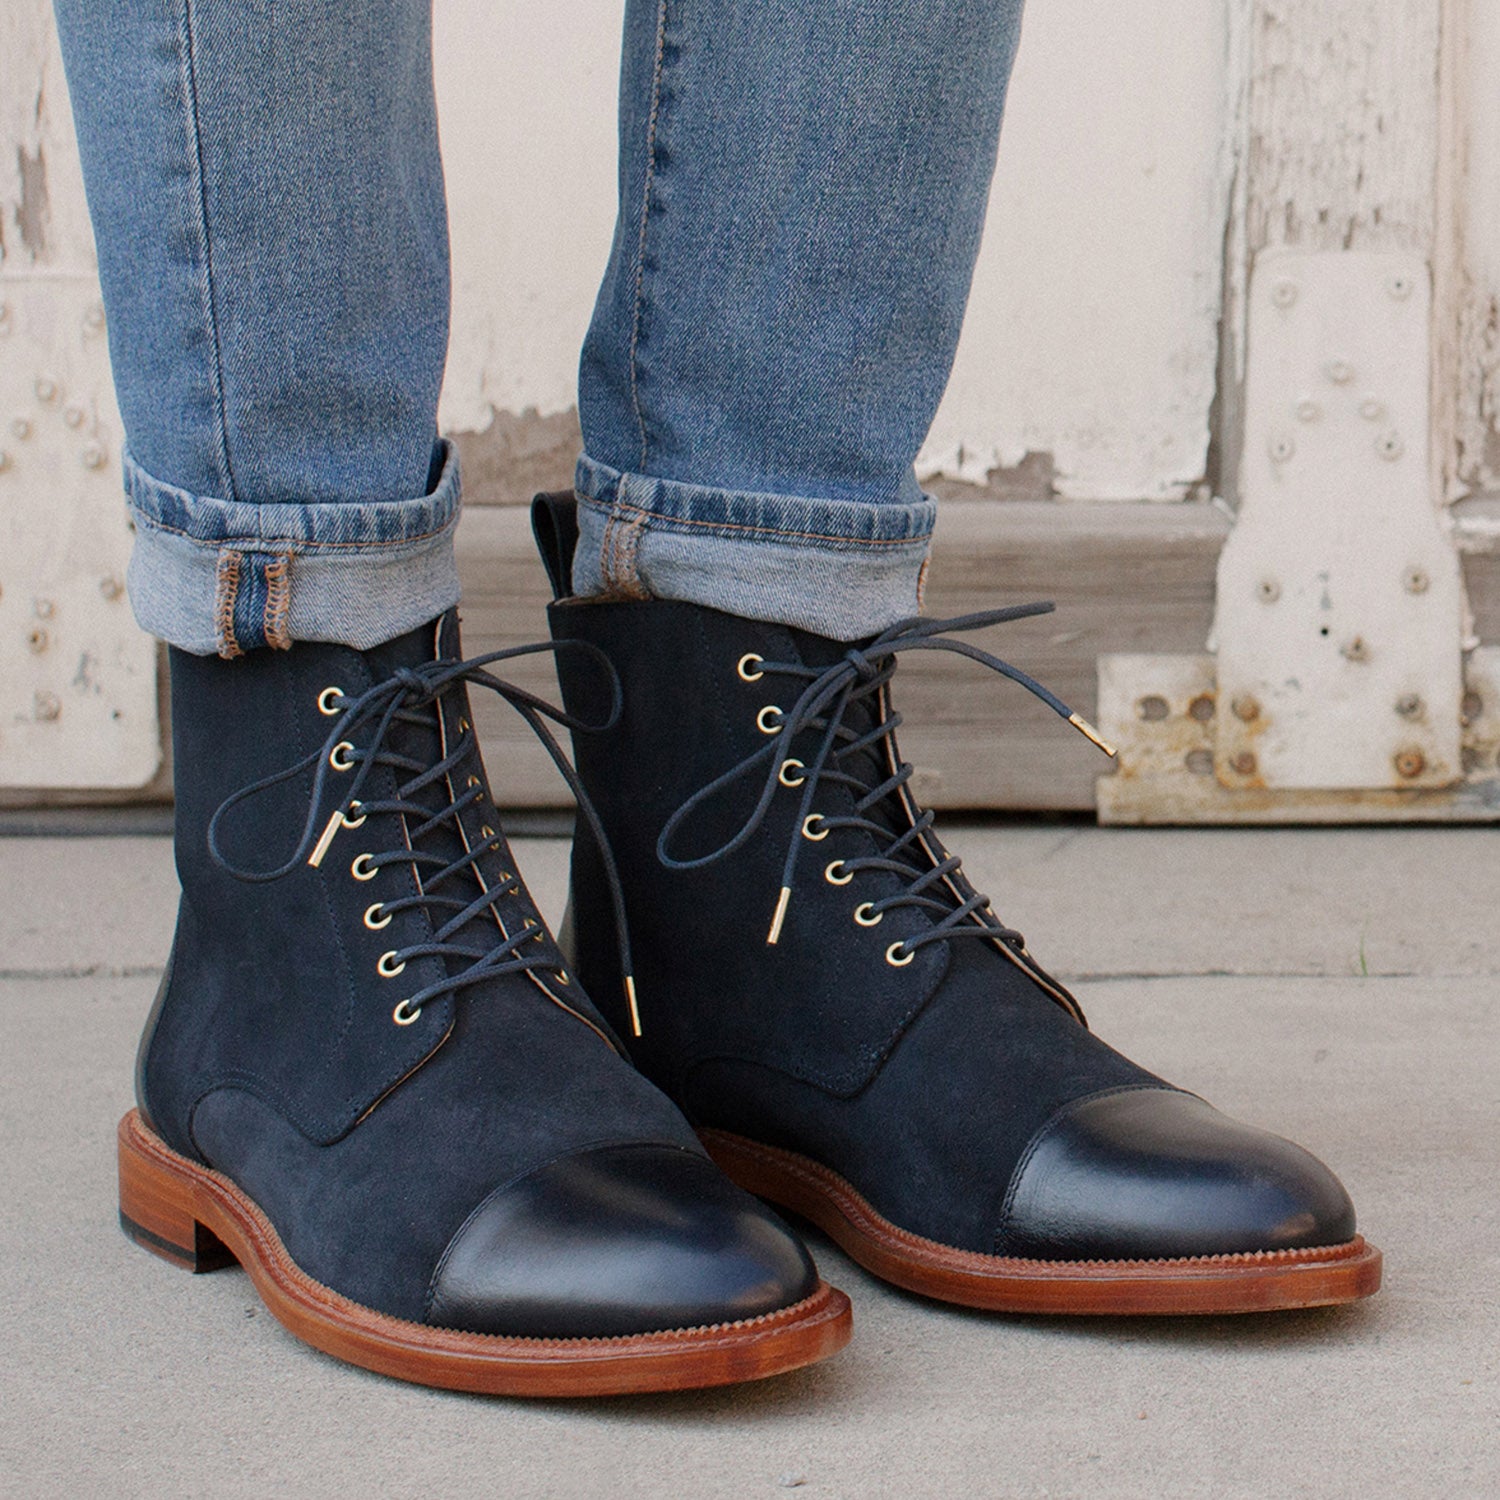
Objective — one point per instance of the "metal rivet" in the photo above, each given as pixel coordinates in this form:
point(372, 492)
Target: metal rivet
point(1201, 708)
point(1415, 581)
point(36, 638)
point(1339, 371)
point(1284, 292)
point(1400, 287)
point(91, 456)
point(1409, 705)
point(1153, 707)
point(21, 428)
point(46, 389)
point(43, 609)
point(47, 707)
point(1268, 591)
point(1246, 708)
point(1308, 411)
point(1372, 409)
point(1281, 447)
point(1410, 762)
point(1244, 763)
point(1200, 762)
point(73, 416)
point(1471, 708)
point(111, 587)
point(1355, 649)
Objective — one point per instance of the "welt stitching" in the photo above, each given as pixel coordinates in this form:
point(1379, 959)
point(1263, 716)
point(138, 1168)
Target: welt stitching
point(278, 602)
point(640, 248)
point(199, 193)
point(226, 592)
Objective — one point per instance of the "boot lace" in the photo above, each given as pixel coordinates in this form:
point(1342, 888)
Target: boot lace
point(932, 878)
point(445, 884)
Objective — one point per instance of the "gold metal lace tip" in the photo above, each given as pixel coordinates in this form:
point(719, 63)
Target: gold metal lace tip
point(775, 934)
point(635, 1015)
point(1088, 731)
point(321, 847)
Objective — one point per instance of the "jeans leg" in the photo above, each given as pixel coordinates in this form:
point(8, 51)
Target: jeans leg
point(267, 199)
point(802, 192)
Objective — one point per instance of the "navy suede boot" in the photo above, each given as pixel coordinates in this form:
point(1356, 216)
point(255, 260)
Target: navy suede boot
point(853, 1031)
point(369, 1078)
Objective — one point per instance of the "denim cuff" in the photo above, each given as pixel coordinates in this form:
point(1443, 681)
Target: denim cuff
point(224, 576)
point(841, 568)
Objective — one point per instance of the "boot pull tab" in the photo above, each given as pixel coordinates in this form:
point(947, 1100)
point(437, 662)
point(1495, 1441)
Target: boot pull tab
point(554, 524)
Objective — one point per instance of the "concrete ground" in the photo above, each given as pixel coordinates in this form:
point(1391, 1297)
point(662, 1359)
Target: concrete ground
point(1340, 986)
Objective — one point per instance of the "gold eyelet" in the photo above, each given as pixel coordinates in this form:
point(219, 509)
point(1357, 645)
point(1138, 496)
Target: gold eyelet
point(474, 781)
point(899, 963)
point(807, 824)
point(463, 726)
point(760, 720)
point(562, 977)
point(386, 969)
point(866, 915)
point(355, 822)
point(744, 665)
point(485, 831)
point(404, 1015)
point(785, 779)
point(362, 869)
point(538, 933)
point(374, 922)
point(833, 879)
point(325, 701)
point(347, 763)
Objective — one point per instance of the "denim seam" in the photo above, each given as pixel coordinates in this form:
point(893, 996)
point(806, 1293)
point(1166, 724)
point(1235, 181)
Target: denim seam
point(666, 522)
point(199, 192)
point(278, 603)
point(226, 593)
point(640, 249)
point(294, 544)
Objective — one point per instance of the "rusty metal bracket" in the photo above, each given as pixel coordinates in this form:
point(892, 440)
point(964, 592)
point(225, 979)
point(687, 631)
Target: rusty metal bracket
point(1165, 714)
point(1340, 614)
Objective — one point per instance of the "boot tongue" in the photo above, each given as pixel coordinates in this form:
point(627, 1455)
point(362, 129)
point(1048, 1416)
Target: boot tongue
point(861, 717)
point(418, 738)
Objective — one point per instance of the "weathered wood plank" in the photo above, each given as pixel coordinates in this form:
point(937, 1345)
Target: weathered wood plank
point(1125, 578)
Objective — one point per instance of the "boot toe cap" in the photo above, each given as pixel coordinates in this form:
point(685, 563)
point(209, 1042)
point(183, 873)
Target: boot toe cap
point(613, 1241)
point(1146, 1174)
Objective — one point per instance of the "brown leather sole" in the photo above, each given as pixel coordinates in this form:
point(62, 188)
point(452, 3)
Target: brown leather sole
point(1258, 1282)
point(196, 1218)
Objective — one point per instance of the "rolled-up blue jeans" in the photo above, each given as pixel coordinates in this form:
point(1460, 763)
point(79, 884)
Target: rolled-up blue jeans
point(802, 187)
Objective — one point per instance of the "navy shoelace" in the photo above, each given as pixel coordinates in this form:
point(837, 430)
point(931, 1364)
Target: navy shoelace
point(402, 698)
point(932, 879)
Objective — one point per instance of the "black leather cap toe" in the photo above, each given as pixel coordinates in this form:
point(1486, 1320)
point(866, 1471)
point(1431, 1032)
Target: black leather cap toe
point(613, 1241)
point(1153, 1173)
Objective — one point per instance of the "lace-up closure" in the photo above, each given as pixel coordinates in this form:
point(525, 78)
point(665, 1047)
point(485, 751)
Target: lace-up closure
point(850, 689)
point(470, 933)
